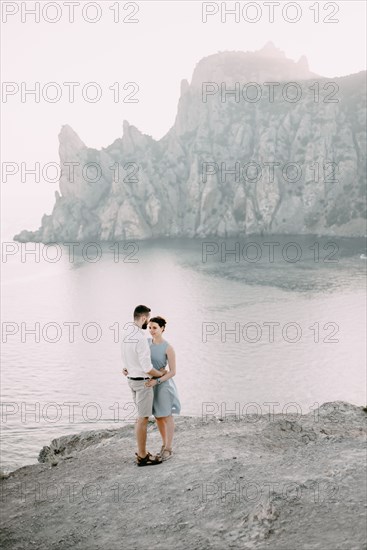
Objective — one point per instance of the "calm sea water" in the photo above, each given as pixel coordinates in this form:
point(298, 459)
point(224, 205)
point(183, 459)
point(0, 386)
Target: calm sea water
point(247, 330)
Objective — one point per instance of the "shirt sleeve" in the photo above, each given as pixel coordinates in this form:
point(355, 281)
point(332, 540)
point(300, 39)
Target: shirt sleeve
point(122, 354)
point(143, 351)
point(123, 349)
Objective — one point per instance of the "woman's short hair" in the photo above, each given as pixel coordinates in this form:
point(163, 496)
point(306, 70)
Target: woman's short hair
point(159, 320)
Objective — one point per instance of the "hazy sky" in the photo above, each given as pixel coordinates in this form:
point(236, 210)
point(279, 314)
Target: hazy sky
point(156, 53)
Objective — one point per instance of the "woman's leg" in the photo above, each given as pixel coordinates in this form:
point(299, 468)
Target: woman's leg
point(162, 428)
point(170, 429)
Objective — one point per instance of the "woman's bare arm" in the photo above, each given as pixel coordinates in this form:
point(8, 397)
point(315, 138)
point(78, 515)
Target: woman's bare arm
point(171, 356)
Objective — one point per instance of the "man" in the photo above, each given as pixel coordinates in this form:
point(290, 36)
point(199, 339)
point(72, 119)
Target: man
point(138, 368)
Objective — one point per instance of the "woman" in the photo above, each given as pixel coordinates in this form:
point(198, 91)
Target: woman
point(166, 400)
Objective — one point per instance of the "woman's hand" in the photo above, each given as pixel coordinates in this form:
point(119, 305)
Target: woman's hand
point(151, 383)
point(125, 372)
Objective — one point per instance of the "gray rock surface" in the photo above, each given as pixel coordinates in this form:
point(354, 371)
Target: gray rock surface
point(161, 189)
point(269, 482)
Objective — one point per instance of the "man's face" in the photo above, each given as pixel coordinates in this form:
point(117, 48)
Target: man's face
point(145, 323)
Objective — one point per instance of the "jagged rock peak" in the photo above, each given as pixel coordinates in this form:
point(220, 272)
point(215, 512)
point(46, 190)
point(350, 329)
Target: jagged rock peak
point(129, 130)
point(70, 138)
point(303, 63)
point(133, 138)
point(125, 127)
point(270, 50)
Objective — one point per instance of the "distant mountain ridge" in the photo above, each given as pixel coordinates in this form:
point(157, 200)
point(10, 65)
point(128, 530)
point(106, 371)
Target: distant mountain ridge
point(176, 186)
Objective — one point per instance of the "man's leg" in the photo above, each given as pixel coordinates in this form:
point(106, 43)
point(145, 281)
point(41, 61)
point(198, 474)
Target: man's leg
point(141, 435)
point(144, 403)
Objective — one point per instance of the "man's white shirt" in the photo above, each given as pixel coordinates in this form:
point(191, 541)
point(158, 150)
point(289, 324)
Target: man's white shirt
point(135, 351)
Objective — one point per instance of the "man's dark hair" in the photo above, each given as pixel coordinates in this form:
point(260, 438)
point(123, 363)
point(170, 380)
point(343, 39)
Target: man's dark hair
point(141, 310)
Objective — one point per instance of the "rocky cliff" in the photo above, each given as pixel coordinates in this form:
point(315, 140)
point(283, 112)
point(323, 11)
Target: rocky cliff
point(260, 482)
point(287, 157)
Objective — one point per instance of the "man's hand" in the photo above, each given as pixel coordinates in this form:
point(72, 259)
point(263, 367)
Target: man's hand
point(125, 372)
point(151, 383)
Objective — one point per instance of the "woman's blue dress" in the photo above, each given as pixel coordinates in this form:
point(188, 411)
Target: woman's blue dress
point(166, 401)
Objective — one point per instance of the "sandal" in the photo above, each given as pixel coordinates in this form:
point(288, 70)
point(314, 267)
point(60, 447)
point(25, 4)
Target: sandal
point(148, 460)
point(161, 451)
point(168, 456)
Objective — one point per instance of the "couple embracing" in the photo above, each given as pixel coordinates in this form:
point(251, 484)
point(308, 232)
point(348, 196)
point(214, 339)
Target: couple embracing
point(152, 386)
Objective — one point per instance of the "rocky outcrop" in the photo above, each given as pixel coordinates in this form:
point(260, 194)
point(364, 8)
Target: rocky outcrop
point(306, 143)
point(259, 482)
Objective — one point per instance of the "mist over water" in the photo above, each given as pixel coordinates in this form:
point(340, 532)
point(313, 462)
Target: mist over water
point(247, 328)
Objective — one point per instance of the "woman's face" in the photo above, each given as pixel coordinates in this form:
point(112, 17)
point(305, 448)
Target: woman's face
point(155, 329)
